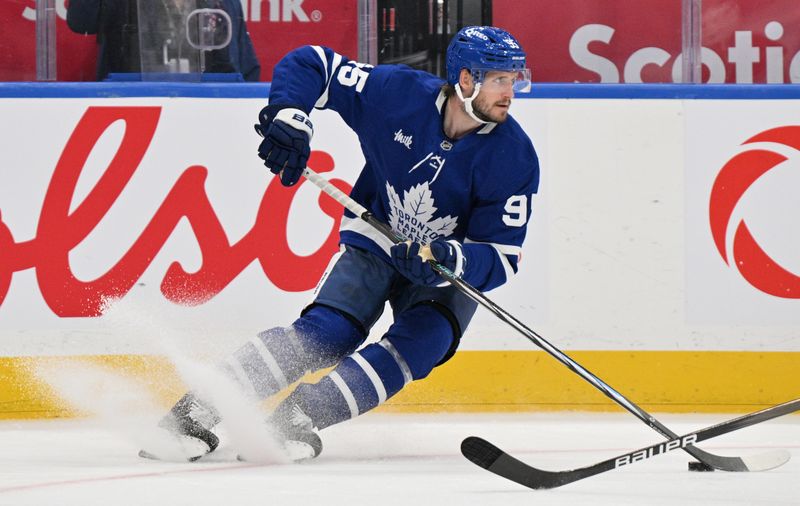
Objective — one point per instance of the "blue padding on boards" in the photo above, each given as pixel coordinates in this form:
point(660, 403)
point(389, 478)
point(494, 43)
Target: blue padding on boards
point(134, 89)
point(539, 90)
point(665, 91)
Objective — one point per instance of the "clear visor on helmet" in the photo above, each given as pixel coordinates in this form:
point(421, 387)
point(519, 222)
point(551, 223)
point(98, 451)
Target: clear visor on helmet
point(498, 80)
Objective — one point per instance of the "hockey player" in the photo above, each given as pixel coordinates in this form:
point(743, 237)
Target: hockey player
point(448, 168)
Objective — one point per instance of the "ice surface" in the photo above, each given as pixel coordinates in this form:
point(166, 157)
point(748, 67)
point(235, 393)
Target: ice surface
point(392, 459)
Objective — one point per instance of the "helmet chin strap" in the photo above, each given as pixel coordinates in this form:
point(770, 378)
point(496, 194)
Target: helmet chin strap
point(468, 102)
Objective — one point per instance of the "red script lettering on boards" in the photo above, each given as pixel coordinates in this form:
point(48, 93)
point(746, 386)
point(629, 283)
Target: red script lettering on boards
point(59, 230)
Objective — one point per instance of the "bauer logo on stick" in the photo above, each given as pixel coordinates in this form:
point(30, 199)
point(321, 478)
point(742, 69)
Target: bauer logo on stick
point(656, 450)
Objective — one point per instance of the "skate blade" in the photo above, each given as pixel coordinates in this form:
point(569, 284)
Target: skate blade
point(174, 448)
point(299, 451)
point(147, 455)
point(291, 452)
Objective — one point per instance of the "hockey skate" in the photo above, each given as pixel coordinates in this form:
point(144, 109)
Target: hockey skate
point(186, 432)
point(295, 432)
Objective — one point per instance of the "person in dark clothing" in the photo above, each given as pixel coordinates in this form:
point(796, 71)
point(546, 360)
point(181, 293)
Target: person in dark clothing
point(116, 26)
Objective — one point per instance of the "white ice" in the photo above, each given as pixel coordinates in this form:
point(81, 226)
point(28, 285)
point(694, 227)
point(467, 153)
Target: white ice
point(393, 459)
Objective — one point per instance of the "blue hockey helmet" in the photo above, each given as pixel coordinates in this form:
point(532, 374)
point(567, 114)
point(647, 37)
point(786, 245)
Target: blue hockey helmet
point(482, 49)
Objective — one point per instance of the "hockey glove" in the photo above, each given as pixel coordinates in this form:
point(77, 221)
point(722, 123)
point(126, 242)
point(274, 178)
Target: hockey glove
point(407, 260)
point(287, 132)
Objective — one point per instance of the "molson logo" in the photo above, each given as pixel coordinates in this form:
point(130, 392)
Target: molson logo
point(733, 180)
point(63, 227)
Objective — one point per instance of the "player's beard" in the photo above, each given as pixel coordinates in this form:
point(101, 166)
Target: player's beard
point(483, 110)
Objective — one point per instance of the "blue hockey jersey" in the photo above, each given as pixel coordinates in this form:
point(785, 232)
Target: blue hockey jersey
point(477, 189)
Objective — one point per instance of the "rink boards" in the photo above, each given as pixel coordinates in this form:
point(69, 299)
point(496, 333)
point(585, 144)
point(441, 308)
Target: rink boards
point(662, 254)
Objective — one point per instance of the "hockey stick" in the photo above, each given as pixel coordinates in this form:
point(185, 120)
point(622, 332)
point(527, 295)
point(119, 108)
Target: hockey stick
point(492, 458)
point(716, 461)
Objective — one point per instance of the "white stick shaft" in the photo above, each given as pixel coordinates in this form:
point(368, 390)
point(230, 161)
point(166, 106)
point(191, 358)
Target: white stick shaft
point(334, 192)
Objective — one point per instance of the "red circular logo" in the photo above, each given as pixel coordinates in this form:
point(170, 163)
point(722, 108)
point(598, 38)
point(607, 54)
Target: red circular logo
point(744, 169)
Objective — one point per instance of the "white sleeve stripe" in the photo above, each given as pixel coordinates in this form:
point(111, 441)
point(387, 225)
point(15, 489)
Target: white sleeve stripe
point(372, 375)
point(337, 60)
point(459, 270)
point(349, 398)
point(505, 263)
point(321, 101)
point(321, 54)
point(507, 269)
point(506, 249)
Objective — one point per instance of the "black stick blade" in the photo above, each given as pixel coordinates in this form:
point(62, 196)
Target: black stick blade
point(480, 452)
point(486, 455)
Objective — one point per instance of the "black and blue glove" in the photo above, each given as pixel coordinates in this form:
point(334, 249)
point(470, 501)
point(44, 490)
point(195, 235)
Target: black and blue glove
point(407, 260)
point(287, 132)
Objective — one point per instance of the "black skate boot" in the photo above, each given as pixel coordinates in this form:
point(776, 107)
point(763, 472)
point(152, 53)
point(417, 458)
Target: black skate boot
point(295, 431)
point(188, 425)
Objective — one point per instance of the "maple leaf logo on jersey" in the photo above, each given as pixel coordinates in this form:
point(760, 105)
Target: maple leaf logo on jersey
point(412, 216)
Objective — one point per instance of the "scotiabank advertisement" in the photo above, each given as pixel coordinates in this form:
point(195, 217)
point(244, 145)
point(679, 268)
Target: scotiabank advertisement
point(624, 41)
